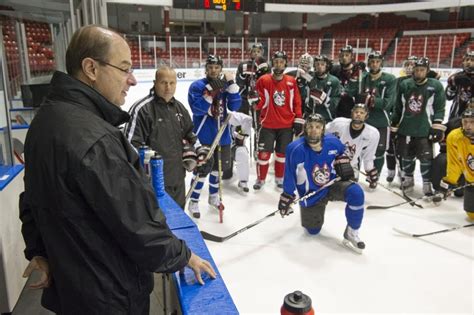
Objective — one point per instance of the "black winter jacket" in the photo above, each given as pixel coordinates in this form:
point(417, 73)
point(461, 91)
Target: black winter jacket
point(89, 208)
point(162, 126)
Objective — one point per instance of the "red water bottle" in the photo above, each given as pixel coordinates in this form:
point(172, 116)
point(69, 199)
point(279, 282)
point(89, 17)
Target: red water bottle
point(297, 303)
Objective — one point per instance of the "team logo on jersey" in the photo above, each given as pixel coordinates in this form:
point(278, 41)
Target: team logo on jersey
point(465, 94)
point(279, 98)
point(320, 174)
point(470, 161)
point(415, 104)
point(350, 150)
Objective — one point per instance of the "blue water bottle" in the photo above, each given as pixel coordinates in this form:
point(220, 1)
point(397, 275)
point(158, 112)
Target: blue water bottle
point(141, 153)
point(157, 178)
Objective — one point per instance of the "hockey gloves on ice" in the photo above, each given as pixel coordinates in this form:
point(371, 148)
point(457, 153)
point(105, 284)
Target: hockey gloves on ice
point(372, 178)
point(317, 95)
point(343, 167)
point(204, 166)
point(298, 127)
point(437, 132)
point(286, 200)
point(189, 156)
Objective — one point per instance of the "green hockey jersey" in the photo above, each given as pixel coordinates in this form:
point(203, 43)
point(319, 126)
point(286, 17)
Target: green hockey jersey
point(418, 107)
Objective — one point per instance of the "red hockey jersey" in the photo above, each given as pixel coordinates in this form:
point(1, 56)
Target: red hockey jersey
point(280, 101)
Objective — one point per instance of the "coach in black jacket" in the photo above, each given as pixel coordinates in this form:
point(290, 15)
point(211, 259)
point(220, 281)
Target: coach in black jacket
point(163, 123)
point(91, 222)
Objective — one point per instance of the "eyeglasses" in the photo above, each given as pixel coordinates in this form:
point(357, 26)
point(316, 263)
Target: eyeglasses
point(127, 71)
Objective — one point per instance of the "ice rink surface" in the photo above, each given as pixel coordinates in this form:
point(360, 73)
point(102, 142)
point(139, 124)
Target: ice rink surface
point(396, 274)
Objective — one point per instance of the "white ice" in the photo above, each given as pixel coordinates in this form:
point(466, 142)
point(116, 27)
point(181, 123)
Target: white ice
point(396, 274)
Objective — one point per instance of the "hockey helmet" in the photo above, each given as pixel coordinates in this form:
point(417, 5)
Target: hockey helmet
point(468, 123)
point(468, 54)
point(325, 59)
point(314, 118)
point(280, 54)
point(305, 62)
point(468, 113)
point(214, 60)
point(422, 62)
point(276, 55)
point(375, 55)
point(468, 62)
point(359, 105)
point(257, 46)
point(347, 48)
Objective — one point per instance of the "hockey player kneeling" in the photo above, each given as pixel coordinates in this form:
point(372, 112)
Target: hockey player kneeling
point(312, 161)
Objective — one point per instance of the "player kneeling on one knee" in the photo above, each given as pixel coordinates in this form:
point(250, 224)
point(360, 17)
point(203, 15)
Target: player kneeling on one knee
point(310, 164)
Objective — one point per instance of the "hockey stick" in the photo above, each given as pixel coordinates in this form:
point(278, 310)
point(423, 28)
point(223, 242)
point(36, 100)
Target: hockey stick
point(435, 232)
point(219, 176)
point(219, 134)
point(414, 200)
point(220, 239)
point(412, 203)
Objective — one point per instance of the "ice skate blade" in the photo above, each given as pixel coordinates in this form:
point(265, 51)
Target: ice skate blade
point(349, 245)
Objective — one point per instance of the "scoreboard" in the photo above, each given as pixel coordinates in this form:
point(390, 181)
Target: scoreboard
point(220, 5)
point(224, 5)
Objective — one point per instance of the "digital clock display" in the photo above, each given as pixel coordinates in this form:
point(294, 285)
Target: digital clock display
point(224, 5)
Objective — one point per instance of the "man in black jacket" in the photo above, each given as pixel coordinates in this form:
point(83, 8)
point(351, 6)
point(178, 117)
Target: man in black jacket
point(163, 123)
point(91, 222)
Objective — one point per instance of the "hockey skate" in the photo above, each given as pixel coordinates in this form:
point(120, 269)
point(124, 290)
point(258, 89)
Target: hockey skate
point(407, 184)
point(431, 196)
point(352, 241)
point(243, 186)
point(258, 184)
point(194, 209)
point(390, 175)
point(215, 202)
point(279, 182)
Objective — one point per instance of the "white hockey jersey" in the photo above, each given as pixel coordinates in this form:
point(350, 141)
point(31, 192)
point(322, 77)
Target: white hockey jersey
point(359, 149)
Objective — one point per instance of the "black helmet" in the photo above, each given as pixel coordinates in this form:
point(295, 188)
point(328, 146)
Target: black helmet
point(468, 54)
point(280, 54)
point(375, 55)
point(214, 60)
point(257, 45)
point(422, 62)
point(360, 105)
point(347, 48)
point(325, 59)
point(314, 118)
point(468, 113)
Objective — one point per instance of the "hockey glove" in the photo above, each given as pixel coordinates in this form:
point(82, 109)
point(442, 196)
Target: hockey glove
point(215, 86)
point(262, 69)
point(204, 166)
point(372, 178)
point(437, 132)
point(253, 98)
point(343, 167)
point(248, 69)
point(189, 156)
point(303, 75)
point(286, 200)
point(239, 137)
point(317, 95)
point(298, 127)
point(462, 80)
point(445, 188)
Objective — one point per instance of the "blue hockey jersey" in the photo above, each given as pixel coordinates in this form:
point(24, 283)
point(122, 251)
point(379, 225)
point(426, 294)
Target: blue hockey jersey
point(205, 126)
point(307, 170)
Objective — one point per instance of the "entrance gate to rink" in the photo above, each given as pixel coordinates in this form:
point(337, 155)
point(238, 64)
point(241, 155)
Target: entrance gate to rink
point(444, 48)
